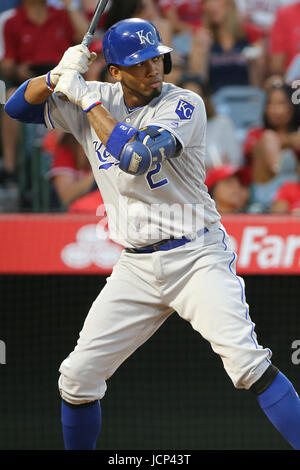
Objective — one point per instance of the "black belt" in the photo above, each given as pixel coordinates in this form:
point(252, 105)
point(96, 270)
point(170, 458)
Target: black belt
point(165, 245)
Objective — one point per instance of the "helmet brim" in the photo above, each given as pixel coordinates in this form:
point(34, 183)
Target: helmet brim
point(145, 54)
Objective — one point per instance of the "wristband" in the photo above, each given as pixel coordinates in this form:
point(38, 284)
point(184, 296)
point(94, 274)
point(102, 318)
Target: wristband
point(48, 82)
point(119, 137)
point(92, 106)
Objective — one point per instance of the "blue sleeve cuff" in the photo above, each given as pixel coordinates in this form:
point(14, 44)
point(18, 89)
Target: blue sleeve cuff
point(18, 108)
point(121, 134)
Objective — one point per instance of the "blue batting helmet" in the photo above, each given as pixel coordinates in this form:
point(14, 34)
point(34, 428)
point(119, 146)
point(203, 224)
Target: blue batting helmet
point(131, 41)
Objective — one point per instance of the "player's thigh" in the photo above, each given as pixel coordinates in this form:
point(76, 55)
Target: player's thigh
point(125, 314)
point(213, 300)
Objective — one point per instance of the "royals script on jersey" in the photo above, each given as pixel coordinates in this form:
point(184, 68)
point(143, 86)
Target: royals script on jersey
point(171, 200)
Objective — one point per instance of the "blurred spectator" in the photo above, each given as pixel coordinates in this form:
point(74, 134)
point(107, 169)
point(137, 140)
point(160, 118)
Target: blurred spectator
point(146, 9)
point(223, 51)
point(98, 69)
point(272, 150)
point(91, 203)
point(226, 186)
point(88, 8)
point(284, 39)
point(287, 198)
point(71, 172)
point(8, 4)
point(105, 75)
point(222, 144)
point(260, 14)
point(183, 16)
point(4, 15)
point(35, 38)
point(75, 4)
point(178, 67)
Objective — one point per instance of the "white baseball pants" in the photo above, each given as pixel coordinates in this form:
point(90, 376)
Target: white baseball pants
point(199, 282)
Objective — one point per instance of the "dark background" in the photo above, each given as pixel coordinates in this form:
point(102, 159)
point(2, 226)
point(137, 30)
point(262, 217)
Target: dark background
point(172, 393)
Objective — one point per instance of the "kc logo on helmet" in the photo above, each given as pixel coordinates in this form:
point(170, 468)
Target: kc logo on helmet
point(184, 109)
point(146, 38)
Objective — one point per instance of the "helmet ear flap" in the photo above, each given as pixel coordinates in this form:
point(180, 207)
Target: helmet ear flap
point(167, 63)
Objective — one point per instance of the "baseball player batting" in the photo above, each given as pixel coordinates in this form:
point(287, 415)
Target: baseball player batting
point(145, 140)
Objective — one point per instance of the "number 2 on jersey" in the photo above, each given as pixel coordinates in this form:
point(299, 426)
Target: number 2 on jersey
point(157, 184)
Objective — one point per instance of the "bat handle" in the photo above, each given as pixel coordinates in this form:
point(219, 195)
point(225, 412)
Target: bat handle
point(87, 39)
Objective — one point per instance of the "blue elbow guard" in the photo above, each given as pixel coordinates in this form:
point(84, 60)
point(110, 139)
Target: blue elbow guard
point(136, 158)
point(18, 108)
point(150, 145)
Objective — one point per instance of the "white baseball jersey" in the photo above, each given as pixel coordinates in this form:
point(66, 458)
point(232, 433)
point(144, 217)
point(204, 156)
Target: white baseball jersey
point(171, 200)
point(145, 289)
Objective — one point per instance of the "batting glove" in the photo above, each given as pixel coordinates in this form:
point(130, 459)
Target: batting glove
point(77, 58)
point(76, 89)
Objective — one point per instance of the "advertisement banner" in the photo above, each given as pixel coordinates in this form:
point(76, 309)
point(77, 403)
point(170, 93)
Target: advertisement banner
point(65, 243)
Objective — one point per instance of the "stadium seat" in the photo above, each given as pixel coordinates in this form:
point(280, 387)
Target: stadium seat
point(244, 104)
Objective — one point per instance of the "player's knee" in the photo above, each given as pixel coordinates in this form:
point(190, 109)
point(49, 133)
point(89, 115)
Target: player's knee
point(76, 391)
point(80, 383)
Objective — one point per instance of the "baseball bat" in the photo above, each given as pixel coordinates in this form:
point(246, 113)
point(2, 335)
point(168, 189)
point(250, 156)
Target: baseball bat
point(88, 37)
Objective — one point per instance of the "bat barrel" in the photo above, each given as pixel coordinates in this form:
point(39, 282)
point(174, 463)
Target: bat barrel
point(88, 37)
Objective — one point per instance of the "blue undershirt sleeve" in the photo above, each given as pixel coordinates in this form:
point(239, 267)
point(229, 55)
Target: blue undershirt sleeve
point(19, 109)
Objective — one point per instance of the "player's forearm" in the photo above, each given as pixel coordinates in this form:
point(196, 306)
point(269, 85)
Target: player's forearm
point(127, 144)
point(37, 91)
point(102, 122)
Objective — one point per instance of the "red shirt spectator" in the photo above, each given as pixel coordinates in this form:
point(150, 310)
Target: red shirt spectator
point(260, 13)
point(251, 140)
point(37, 44)
point(33, 39)
point(226, 186)
point(90, 204)
point(188, 11)
point(64, 162)
point(288, 196)
point(253, 137)
point(253, 32)
point(285, 38)
point(71, 175)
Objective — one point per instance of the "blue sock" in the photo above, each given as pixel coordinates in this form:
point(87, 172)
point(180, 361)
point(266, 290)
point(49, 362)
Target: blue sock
point(281, 404)
point(81, 425)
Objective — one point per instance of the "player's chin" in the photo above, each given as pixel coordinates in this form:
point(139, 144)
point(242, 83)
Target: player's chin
point(155, 91)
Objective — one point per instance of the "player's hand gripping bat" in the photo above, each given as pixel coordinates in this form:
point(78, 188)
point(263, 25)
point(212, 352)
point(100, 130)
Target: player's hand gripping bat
point(74, 57)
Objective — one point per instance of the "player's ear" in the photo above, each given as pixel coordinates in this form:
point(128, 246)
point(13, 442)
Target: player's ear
point(115, 72)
